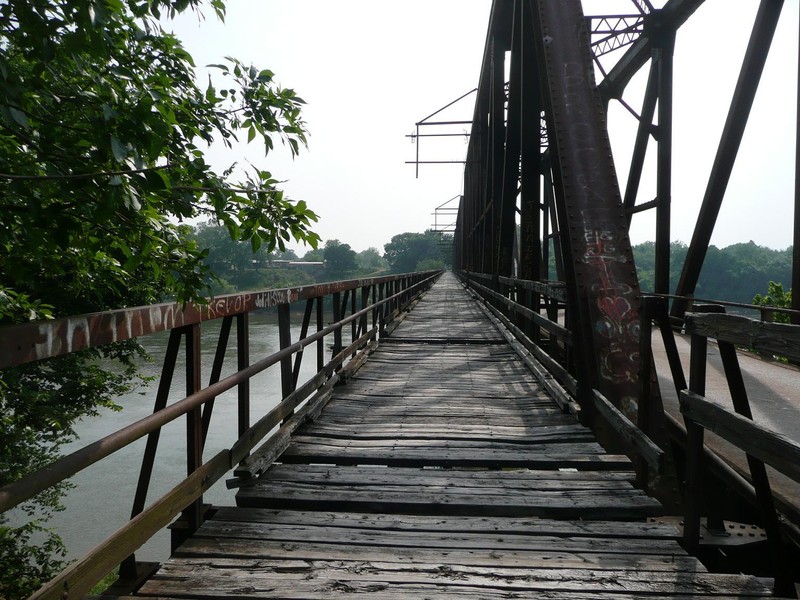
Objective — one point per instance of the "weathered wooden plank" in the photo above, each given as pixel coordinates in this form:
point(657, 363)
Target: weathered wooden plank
point(438, 403)
point(453, 524)
point(475, 419)
point(367, 577)
point(213, 550)
point(451, 429)
point(397, 436)
point(452, 492)
point(588, 504)
point(443, 397)
point(777, 338)
point(548, 447)
point(199, 566)
point(381, 539)
point(422, 458)
point(775, 449)
point(629, 432)
point(413, 477)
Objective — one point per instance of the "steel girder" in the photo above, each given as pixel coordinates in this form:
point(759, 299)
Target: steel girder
point(601, 279)
point(515, 200)
point(550, 68)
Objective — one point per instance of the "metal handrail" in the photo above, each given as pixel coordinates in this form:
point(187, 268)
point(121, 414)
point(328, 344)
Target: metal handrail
point(27, 342)
point(106, 327)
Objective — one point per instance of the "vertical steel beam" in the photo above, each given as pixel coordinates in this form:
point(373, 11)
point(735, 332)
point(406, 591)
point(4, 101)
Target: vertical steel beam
point(548, 196)
point(458, 238)
point(509, 183)
point(337, 316)
point(373, 290)
point(128, 567)
point(298, 359)
point(193, 513)
point(645, 413)
point(603, 288)
point(493, 178)
point(663, 47)
point(796, 233)
point(741, 103)
point(216, 371)
point(362, 326)
point(693, 489)
point(285, 340)
point(242, 362)
point(353, 324)
point(321, 326)
point(530, 154)
point(381, 312)
point(495, 156)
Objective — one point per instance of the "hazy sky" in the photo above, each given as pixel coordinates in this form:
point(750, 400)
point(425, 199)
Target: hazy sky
point(370, 69)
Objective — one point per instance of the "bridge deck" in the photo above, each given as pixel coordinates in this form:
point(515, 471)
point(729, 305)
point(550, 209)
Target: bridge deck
point(442, 469)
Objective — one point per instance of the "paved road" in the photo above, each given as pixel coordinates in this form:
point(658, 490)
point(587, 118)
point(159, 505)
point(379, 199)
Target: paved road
point(773, 389)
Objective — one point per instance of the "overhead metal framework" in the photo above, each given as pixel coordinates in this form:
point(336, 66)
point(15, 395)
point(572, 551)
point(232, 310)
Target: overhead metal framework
point(542, 200)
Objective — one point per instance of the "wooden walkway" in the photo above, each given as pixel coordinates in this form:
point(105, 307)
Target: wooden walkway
point(442, 470)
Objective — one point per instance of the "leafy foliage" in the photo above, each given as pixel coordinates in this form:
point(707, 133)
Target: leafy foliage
point(315, 255)
point(26, 562)
point(102, 123)
point(735, 273)
point(340, 260)
point(102, 130)
point(370, 262)
point(778, 297)
point(407, 252)
point(39, 404)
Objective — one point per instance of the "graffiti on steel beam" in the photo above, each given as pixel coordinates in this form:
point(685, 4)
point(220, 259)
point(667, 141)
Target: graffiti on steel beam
point(617, 321)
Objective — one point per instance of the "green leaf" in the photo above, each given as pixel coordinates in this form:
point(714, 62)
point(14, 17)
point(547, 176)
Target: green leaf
point(118, 150)
point(19, 117)
point(211, 94)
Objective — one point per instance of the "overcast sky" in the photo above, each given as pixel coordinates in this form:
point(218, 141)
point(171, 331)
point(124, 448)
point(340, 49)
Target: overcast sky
point(370, 69)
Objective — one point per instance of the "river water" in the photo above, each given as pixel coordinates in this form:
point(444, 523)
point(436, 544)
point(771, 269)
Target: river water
point(102, 498)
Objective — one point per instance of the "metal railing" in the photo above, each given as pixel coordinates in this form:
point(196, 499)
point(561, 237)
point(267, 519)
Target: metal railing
point(536, 314)
point(762, 446)
point(370, 308)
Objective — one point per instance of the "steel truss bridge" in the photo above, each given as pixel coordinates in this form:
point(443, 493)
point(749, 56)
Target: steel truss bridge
point(497, 431)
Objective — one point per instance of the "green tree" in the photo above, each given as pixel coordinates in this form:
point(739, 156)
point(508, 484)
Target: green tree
point(228, 259)
point(645, 258)
point(314, 255)
point(340, 260)
point(430, 264)
point(735, 273)
point(406, 250)
point(102, 128)
point(287, 254)
point(370, 261)
point(778, 297)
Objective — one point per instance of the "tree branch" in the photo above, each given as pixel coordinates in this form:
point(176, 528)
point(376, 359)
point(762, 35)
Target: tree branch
point(191, 188)
point(11, 177)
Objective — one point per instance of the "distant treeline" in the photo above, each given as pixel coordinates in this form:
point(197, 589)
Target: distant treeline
point(239, 268)
point(735, 273)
